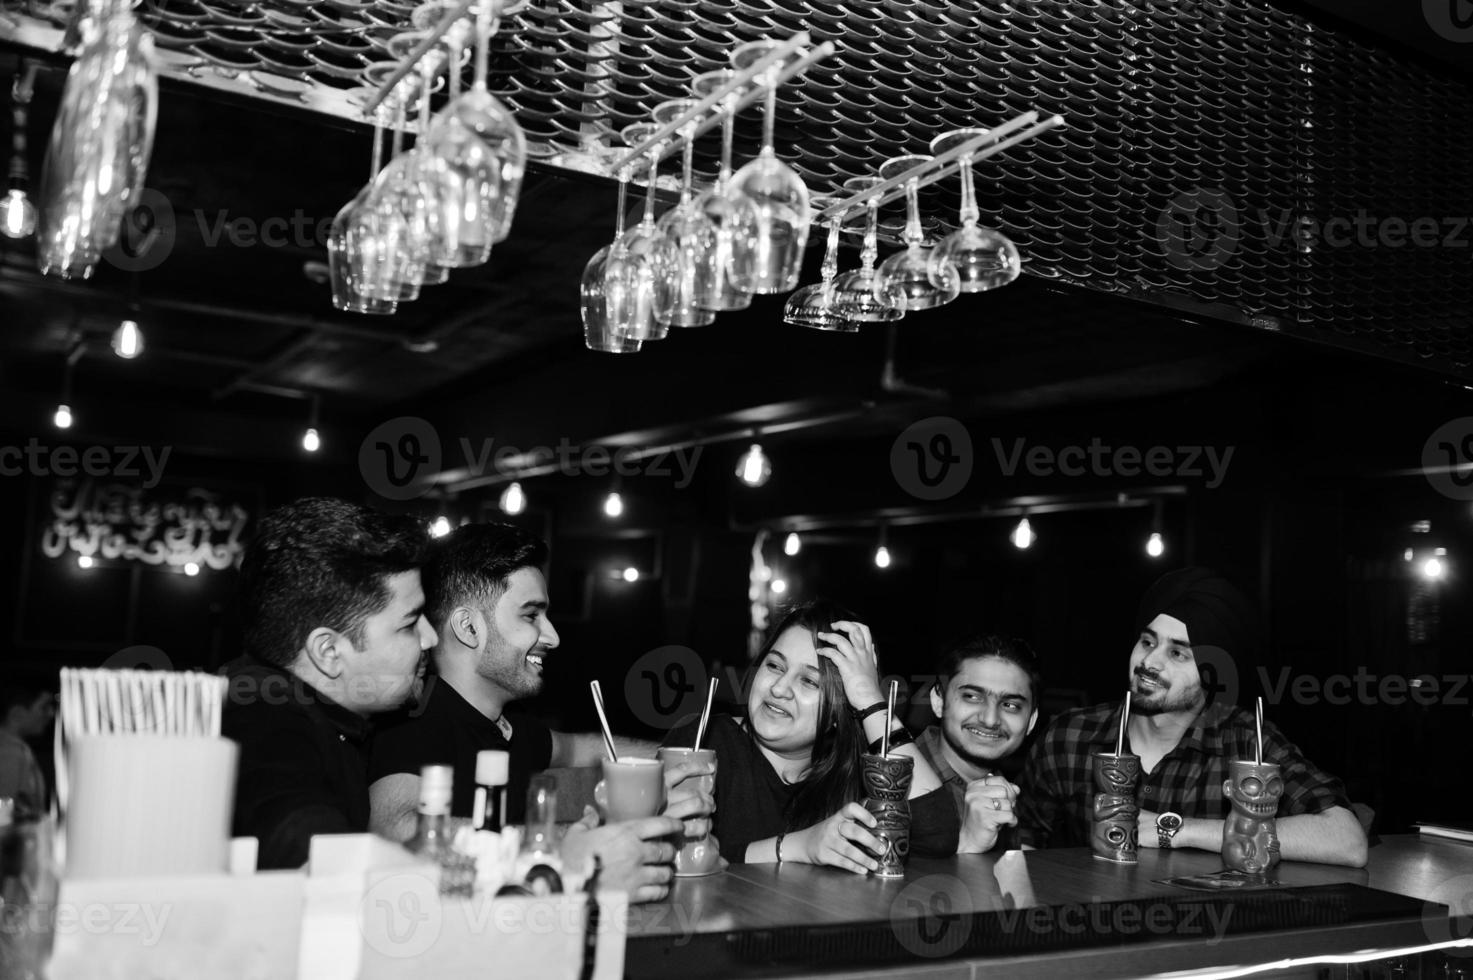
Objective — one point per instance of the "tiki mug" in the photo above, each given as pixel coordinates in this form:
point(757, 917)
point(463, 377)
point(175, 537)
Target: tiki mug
point(1250, 842)
point(1113, 832)
point(886, 788)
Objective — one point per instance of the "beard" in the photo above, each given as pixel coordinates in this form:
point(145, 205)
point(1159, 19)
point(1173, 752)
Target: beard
point(507, 668)
point(1167, 700)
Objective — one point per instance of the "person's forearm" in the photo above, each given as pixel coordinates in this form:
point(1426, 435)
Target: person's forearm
point(1201, 833)
point(923, 777)
point(763, 852)
point(1332, 837)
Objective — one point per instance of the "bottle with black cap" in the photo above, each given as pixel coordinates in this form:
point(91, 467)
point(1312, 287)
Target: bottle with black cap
point(492, 772)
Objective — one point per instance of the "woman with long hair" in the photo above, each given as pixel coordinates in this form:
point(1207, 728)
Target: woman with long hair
point(788, 775)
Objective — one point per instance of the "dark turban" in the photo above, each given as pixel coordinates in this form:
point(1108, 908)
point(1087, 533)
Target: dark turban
point(1214, 611)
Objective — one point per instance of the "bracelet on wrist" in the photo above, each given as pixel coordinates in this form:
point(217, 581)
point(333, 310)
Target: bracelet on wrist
point(779, 847)
point(899, 735)
point(861, 714)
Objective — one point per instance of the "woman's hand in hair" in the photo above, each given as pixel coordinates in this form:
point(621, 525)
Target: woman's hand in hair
point(853, 651)
point(839, 841)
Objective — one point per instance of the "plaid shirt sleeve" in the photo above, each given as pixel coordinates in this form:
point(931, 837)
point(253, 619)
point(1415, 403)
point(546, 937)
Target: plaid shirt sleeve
point(1049, 792)
point(1307, 787)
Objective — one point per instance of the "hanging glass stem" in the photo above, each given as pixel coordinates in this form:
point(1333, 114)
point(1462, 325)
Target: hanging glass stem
point(483, 42)
point(619, 214)
point(728, 129)
point(427, 75)
point(871, 249)
point(913, 233)
point(970, 213)
point(378, 149)
point(831, 255)
point(399, 126)
point(690, 149)
point(770, 116)
point(649, 196)
point(454, 36)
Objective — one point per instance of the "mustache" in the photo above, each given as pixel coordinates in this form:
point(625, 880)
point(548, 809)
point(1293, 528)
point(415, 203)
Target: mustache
point(1151, 676)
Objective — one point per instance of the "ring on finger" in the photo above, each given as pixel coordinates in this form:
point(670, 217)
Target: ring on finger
point(997, 804)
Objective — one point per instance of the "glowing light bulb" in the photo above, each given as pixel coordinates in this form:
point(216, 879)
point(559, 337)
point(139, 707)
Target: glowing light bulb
point(1407, 555)
point(1155, 546)
point(63, 417)
point(882, 557)
point(191, 568)
point(311, 441)
point(613, 505)
point(779, 586)
point(1433, 569)
point(793, 544)
point(17, 215)
point(631, 574)
point(513, 500)
point(1023, 536)
point(128, 340)
point(85, 561)
point(754, 468)
point(440, 526)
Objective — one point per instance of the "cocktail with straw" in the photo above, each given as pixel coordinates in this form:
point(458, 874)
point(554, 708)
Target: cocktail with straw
point(632, 788)
point(887, 781)
point(1113, 832)
point(698, 855)
point(1250, 841)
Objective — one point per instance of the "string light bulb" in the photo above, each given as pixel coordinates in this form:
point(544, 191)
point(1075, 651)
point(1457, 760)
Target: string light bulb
point(754, 468)
point(631, 574)
point(17, 215)
point(440, 526)
point(1023, 536)
point(63, 417)
point(1155, 547)
point(17, 211)
point(882, 557)
point(513, 499)
point(1433, 569)
point(84, 561)
point(128, 340)
point(779, 586)
point(793, 544)
point(614, 504)
point(191, 568)
point(311, 441)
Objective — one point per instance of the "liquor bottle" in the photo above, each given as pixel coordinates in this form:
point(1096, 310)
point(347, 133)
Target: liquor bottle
point(492, 771)
point(432, 838)
point(538, 865)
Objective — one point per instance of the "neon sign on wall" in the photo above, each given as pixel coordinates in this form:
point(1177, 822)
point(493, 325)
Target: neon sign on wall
point(119, 522)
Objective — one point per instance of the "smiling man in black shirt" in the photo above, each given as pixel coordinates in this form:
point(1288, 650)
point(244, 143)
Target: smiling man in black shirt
point(335, 632)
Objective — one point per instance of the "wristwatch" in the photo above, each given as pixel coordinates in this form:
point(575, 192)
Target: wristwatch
point(1167, 824)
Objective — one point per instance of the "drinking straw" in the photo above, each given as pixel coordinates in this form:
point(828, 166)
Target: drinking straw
point(706, 714)
point(889, 718)
point(1124, 717)
point(598, 704)
point(1258, 730)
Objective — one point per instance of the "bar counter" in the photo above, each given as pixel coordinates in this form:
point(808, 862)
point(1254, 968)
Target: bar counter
point(1050, 913)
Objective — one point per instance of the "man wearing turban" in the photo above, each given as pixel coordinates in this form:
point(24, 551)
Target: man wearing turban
point(1190, 622)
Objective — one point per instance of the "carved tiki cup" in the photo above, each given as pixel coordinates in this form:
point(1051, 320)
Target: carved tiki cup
point(886, 786)
point(1113, 833)
point(1250, 841)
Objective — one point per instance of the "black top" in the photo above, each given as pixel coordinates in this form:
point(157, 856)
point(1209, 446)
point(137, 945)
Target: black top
point(446, 730)
point(752, 799)
point(303, 762)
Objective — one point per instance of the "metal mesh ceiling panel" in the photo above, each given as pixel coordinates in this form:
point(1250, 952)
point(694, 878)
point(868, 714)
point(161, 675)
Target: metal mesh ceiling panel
point(1221, 153)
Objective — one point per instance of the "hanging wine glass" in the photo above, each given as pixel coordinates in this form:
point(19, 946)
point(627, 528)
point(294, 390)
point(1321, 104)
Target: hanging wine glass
point(856, 294)
point(424, 171)
point(600, 332)
point(983, 258)
point(910, 272)
point(479, 141)
point(770, 200)
point(715, 208)
point(650, 266)
point(693, 242)
point(394, 214)
point(813, 305)
point(343, 258)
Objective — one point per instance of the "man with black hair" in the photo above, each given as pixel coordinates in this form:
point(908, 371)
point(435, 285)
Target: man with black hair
point(335, 633)
point(986, 701)
point(1184, 743)
point(487, 600)
point(25, 713)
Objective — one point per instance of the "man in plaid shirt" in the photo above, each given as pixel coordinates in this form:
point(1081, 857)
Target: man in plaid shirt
point(1183, 742)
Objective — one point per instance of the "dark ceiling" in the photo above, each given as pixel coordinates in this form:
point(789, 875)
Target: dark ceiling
point(241, 332)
